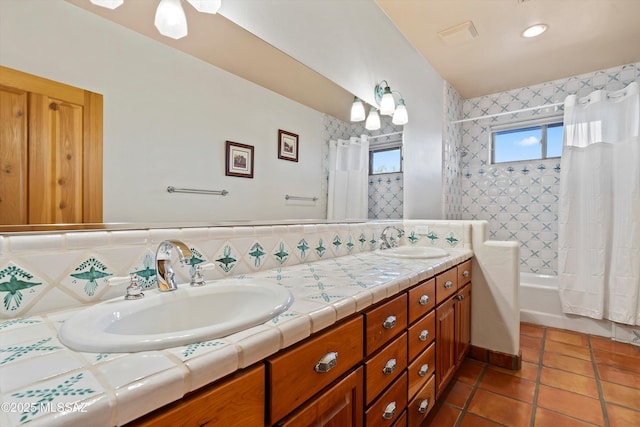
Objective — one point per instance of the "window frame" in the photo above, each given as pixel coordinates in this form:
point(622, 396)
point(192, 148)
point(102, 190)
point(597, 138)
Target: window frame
point(544, 124)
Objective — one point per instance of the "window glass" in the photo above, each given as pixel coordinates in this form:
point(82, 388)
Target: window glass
point(527, 143)
point(385, 161)
point(555, 133)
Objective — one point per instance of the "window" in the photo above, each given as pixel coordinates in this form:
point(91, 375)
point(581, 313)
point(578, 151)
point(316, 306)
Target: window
point(531, 141)
point(385, 160)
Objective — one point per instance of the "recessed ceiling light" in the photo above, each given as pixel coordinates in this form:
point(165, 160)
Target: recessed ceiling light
point(535, 30)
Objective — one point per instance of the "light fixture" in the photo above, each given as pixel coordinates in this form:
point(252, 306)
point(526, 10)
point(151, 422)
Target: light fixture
point(373, 120)
point(400, 116)
point(534, 30)
point(109, 4)
point(357, 110)
point(170, 19)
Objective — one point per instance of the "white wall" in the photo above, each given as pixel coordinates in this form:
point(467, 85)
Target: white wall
point(167, 116)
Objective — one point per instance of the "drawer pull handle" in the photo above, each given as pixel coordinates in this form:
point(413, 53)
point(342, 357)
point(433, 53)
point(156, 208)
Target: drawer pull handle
point(448, 284)
point(389, 411)
point(423, 370)
point(423, 406)
point(389, 367)
point(424, 335)
point(460, 297)
point(424, 300)
point(327, 362)
point(465, 273)
point(389, 322)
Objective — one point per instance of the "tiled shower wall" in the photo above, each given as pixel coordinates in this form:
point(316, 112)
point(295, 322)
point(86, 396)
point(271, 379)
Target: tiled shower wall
point(451, 154)
point(518, 199)
point(385, 191)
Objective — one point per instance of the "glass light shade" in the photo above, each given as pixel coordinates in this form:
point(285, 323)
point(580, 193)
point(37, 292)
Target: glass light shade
point(109, 4)
point(400, 116)
point(170, 19)
point(206, 6)
point(373, 120)
point(357, 110)
point(387, 104)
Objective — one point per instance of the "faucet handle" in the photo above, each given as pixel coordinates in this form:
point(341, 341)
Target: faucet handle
point(197, 279)
point(134, 290)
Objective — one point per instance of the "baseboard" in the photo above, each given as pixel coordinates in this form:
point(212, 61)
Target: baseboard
point(497, 358)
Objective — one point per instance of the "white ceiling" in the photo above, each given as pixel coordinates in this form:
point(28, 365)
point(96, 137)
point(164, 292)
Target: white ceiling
point(321, 52)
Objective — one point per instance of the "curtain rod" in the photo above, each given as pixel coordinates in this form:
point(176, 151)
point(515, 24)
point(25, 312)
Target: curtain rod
point(505, 113)
point(383, 135)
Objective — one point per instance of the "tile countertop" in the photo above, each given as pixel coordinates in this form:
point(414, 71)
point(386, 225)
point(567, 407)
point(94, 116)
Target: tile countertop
point(46, 384)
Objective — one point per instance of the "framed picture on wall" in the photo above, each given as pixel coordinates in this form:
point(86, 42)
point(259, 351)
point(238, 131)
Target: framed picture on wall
point(287, 145)
point(239, 160)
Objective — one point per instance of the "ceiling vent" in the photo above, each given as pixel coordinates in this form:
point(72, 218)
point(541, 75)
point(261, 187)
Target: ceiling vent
point(459, 34)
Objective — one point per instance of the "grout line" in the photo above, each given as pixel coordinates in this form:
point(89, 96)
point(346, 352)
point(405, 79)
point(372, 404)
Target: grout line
point(534, 404)
point(475, 385)
point(603, 405)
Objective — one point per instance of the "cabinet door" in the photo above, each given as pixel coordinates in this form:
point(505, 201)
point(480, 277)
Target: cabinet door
point(445, 343)
point(339, 406)
point(463, 323)
point(235, 401)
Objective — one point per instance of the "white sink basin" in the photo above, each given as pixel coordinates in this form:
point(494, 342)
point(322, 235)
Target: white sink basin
point(413, 252)
point(169, 319)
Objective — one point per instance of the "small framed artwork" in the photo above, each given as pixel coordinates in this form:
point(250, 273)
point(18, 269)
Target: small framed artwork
point(287, 146)
point(239, 160)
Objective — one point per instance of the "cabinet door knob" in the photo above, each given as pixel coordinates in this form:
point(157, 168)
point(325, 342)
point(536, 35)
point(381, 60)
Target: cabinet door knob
point(424, 300)
point(424, 335)
point(327, 362)
point(423, 370)
point(465, 273)
point(460, 297)
point(389, 322)
point(389, 367)
point(423, 406)
point(389, 411)
point(448, 284)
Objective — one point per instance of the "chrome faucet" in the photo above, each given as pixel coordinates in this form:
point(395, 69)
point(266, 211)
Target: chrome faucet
point(164, 271)
point(390, 242)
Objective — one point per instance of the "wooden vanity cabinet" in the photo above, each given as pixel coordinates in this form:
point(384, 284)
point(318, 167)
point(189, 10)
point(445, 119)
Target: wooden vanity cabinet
point(237, 400)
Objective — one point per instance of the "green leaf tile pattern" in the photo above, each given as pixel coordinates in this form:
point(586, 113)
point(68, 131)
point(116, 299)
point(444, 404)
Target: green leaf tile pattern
point(90, 271)
point(226, 262)
point(8, 323)
point(320, 249)
point(17, 351)
point(281, 254)
point(413, 238)
point(257, 253)
point(192, 348)
point(147, 275)
point(303, 247)
point(14, 285)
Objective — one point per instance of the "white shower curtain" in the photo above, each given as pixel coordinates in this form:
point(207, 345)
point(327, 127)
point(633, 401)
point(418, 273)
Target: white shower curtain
point(599, 217)
point(348, 173)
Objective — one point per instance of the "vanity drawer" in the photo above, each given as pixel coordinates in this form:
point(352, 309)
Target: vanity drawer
point(385, 322)
point(297, 374)
point(389, 406)
point(402, 420)
point(422, 299)
point(422, 334)
point(421, 369)
point(420, 406)
point(464, 273)
point(446, 284)
point(384, 367)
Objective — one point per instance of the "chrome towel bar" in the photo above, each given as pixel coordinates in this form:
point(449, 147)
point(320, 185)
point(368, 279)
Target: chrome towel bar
point(171, 189)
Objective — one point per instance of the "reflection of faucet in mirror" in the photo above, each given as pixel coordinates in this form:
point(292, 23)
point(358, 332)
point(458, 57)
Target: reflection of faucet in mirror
point(164, 270)
point(390, 242)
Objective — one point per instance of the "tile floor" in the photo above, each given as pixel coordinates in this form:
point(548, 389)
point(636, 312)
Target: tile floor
point(567, 379)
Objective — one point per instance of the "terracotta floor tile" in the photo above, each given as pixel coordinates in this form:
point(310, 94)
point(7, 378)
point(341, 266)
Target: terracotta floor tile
point(581, 352)
point(532, 330)
point(567, 363)
point(567, 337)
point(619, 376)
point(621, 361)
point(607, 344)
point(528, 371)
point(442, 415)
point(571, 404)
point(546, 418)
point(501, 409)
point(472, 420)
point(457, 393)
point(531, 354)
point(621, 395)
point(508, 385)
point(569, 381)
point(622, 417)
point(527, 341)
point(470, 371)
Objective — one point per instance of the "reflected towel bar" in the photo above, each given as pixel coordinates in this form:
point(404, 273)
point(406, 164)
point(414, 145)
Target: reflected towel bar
point(288, 197)
point(171, 189)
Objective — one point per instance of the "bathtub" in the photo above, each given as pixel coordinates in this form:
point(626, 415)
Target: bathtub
point(540, 304)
